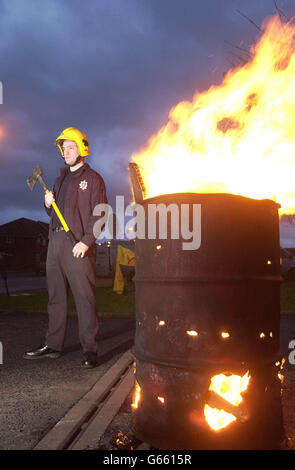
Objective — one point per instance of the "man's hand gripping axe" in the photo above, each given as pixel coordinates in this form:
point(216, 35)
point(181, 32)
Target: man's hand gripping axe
point(37, 176)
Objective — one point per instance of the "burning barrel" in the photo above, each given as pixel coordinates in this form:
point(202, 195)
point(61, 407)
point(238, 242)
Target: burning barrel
point(207, 334)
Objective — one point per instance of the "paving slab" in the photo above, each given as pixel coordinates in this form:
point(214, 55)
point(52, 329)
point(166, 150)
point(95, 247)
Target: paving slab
point(35, 395)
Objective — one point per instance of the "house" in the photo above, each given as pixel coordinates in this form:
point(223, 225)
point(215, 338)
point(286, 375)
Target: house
point(23, 245)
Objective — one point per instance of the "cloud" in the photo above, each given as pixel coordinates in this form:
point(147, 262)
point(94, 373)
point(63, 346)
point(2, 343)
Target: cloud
point(113, 69)
point(287, 232)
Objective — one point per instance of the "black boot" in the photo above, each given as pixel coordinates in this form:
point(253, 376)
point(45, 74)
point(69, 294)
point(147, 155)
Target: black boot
point(90, 360)
point(42, 351)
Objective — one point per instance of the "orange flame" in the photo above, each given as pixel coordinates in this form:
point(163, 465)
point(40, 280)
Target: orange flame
point(229, 388)
point(225, 334)
point(192, 333)
point(281, 377)
point(161, 399)
point(236, 138)
point(136, 396)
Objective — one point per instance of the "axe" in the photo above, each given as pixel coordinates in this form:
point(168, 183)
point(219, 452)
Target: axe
point(37, 176)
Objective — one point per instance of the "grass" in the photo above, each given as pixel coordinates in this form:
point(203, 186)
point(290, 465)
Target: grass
point(109, 303)
point(288, 296)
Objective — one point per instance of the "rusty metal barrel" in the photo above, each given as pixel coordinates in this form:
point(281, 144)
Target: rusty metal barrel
point(208, 311)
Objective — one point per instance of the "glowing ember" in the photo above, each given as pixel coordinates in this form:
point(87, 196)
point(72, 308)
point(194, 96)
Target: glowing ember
point(230, 388)
point(122, 440)
point(136, 397)
point(281, 377)
point(225, 334)
point(237, 137)
point(262, 335)
point(161, 399)
point(162, 323)
point(192, 333)
point(281, 364)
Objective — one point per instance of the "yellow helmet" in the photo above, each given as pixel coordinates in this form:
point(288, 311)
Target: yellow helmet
point(72, 133)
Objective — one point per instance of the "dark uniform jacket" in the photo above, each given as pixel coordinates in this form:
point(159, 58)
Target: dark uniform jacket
point(84, 192)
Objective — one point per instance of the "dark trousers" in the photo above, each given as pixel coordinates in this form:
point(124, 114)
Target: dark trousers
point(62, 268)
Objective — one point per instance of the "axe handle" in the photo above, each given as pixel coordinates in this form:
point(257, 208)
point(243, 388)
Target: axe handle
point(43, 184)
point(72, 238)
point(59, 214)
point(63, 222)
point(70, 235)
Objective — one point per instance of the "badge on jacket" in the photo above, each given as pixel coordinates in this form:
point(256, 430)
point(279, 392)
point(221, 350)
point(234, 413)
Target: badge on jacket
point(83, 185)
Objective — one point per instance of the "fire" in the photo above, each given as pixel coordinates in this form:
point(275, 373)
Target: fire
point(230, 388)
point(161, 399)
point(136, 397)
point(192, 333)
point(225, 334)
point(281, 377)
point(238, 137)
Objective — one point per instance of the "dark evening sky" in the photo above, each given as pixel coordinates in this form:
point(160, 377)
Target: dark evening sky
point(112, 68)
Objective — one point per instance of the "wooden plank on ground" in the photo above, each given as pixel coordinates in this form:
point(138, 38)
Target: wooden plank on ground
point(109, 410)
point(69, 425)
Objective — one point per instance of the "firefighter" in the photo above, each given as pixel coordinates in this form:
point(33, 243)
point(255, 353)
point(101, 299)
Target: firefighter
point(77, 191)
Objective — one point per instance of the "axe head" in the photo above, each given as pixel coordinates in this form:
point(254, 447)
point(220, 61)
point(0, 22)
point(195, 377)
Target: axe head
point(37, 173)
